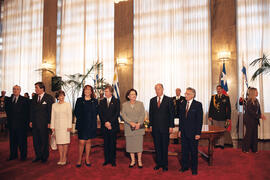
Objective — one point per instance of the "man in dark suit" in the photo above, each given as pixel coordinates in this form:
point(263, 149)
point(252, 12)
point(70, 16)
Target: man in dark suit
point(17, 108)
point(177, 100)
point(219, 113)
point(109, 111)
point(161, 117)
point(40, 118)
point(190, 125)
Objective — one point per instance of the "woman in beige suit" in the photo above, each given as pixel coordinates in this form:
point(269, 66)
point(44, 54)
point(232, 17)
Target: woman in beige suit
point(61, 124)
point(133, 113)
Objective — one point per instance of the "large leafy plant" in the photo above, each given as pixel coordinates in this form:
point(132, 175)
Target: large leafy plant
point(264, 66)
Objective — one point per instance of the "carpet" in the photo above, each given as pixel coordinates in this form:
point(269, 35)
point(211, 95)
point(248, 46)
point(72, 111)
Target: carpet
point(228, 164)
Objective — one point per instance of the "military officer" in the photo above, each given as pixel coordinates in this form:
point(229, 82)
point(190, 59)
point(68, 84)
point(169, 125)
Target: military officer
point(220, 114)
point(177, 100)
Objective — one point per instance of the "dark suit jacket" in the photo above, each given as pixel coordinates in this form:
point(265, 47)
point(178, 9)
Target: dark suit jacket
point(109, 114)
point(162, 118)
point(40, 115)
point(192, 124)
point(252, 112)
point(220, 108)
point(176, 104)
point(79, 112)
point(18, 113)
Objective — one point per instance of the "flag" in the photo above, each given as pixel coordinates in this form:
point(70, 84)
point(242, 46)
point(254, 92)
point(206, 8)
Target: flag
point(116, 92)
point(244, 79)
point(96, 80)
point(244, 71)
point(223, 80)
point(244, 83)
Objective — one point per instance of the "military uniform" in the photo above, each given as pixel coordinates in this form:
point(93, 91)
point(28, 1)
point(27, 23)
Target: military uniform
point(176, 104)
point(220, 111)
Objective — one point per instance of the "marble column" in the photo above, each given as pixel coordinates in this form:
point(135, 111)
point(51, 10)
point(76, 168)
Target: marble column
point(123, 44)
point(49, 40)
point(223, 34)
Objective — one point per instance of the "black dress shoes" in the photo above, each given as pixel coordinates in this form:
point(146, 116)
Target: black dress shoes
point(219, 146)
point(183, 169)
point(10, 159)
point(113, 164)
point(165, 168)
point(43, 160)
point(105, 163)
point(157, 167)
point(36, 160)
point(194, 172)
point(23, 158)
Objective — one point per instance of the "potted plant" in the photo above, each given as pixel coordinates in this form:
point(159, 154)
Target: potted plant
point(74, 83)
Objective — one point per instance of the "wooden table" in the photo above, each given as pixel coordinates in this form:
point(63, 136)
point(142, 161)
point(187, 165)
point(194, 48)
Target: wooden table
point(211, 135)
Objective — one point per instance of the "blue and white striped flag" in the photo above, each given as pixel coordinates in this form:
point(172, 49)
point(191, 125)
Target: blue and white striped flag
point(244, 71)
point(116, 92)
point(244, 79)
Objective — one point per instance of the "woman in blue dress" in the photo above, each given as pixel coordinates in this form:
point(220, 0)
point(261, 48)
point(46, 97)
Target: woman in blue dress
point(86, 110)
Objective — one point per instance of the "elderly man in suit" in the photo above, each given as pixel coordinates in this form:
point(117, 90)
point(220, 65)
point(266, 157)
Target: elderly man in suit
point(17, 108)
point(161, 117)
point(109, 111)
point(191, 118)
point(40, 119)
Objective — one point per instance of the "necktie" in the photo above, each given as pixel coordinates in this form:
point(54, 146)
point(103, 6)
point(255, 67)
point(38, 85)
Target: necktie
point(14, 100)
point(187, 108)
point(108, 102)
point(158, 104)
point(39, 99)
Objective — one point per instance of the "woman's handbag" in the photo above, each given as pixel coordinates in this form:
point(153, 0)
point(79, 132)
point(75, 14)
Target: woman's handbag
point(53, 141)
point(133, 128)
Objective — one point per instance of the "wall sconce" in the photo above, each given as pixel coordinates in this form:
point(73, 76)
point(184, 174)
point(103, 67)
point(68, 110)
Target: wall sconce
point(46, 66)
point(121, 61)
point(224, 55)
point(117, 1)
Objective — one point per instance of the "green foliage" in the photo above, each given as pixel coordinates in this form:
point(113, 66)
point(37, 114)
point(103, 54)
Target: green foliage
point(264, 66)
point(74, 83)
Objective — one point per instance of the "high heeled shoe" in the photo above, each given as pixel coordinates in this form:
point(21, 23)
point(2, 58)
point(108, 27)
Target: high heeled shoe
point(140, 166)
point(79, 165)
point(87, 164)
point(132, 165)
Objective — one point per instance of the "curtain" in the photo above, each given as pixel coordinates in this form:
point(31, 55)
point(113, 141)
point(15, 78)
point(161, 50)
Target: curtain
point(172, 47)
point(22, 44)
point(253, 32)
point(87, 36)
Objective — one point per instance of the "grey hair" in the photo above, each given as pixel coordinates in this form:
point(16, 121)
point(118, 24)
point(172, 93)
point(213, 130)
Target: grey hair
point(17, 86)
point(192, 90)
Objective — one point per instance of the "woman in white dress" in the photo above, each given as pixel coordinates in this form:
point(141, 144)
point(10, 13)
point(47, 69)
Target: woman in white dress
point(61, 124)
